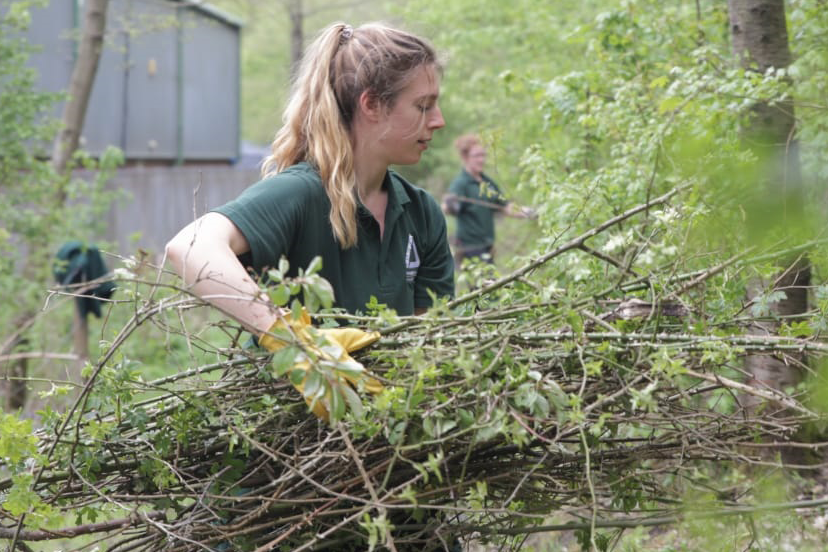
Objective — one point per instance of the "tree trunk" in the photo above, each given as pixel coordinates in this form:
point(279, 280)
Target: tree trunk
point(74, 113)
point(760, 42)
point(297, 37)
point(80, 87)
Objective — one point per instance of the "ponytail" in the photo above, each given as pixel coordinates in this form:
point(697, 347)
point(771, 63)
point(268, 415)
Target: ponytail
point(312, 131)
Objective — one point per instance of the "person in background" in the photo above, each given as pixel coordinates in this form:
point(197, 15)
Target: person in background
point(475, 199)
point(364, 98)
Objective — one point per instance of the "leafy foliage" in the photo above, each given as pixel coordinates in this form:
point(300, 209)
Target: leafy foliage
point(34, 219)
point(597, 377)
point(491, 420)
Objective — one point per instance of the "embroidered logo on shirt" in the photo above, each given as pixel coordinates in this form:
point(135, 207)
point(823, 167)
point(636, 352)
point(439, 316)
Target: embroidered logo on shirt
point(412, 260)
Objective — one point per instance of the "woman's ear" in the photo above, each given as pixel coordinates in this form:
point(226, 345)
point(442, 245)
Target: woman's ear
point(369, 106)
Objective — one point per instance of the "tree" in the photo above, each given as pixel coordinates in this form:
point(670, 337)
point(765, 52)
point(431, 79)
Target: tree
point(599, 378)
point(74, 113)
point(297, 32)
point(80, 85)
point(40, 197)
point(20, 170)
point(298, 13)
point(760, 42)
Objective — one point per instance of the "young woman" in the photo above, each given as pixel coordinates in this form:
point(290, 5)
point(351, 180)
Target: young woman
point(475, 199)
point(364, 99)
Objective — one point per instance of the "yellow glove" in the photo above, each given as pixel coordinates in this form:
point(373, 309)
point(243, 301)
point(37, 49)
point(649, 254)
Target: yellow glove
point(328, 389)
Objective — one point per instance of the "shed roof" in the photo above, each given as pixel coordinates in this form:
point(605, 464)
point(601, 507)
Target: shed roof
point(214, 12)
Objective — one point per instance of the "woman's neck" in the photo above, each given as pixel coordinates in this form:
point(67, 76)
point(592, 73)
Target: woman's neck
point(369, 174)
point(371, 195)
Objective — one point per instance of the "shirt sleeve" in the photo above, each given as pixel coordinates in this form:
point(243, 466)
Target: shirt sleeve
point(269, 214)
point(458, 189)
point(436, 271)
point(493, 193)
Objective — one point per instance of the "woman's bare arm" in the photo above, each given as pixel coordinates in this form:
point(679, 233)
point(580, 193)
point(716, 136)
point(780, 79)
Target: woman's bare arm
point(204, 253)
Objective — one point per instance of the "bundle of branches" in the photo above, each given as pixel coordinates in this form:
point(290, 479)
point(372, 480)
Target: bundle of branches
point(496, 417)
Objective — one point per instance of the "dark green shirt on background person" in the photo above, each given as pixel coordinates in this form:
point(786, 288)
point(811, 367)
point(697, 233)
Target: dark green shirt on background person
point(477, 201)
point(287, 215)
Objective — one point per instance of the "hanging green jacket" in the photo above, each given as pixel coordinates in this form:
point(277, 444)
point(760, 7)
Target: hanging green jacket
point(76, 263)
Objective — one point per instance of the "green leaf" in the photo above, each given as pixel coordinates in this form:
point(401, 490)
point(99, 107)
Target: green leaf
point(296, 310)
point(372, 529)
point(423, 471)
point(466, 418)
point(485, 433)
point(540, 408)
point(314, 266)
point(311, 301)
point(669, 104)
point(354, 402)
point(396, 433)
point(280, 295)
point(274, 275)
point(337, 404)
point(324, 292)
point(428, 427)
point(313, 382)
point(444, 426)
point(575, 321)
point(20, 498)
point(800, 328)
point(284, 359)
point(593, 367)
point(409, 494)
point(351, 368)
point(297, 376)
point(433, 463)
point(17, 440)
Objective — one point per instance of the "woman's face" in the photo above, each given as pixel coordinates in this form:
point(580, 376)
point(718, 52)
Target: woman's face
point(410, 123)
point(475, 160)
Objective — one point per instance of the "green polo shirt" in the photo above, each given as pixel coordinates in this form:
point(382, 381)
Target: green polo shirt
point(287, 214)
point(475, 222)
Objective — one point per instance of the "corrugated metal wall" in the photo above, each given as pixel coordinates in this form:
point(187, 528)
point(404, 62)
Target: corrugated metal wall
point(51, 31)
point(211, 62)
point(167, 87)
point(162, 200)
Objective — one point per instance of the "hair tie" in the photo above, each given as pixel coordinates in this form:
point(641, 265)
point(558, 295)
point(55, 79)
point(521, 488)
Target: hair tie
point(345, 34)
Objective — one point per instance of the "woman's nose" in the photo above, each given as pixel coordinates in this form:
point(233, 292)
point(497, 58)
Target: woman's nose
point(436, 121)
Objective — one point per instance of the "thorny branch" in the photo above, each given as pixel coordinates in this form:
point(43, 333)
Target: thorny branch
point(492, 418)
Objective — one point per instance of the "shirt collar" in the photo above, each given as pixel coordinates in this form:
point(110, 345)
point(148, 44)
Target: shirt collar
point(397, 195)
point(483, 177)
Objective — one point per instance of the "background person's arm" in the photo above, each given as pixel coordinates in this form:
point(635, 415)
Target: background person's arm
point(516, 211)
point(450, 204)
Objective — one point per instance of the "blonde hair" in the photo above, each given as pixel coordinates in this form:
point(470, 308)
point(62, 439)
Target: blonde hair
point(341, 64)
point(463, 144)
